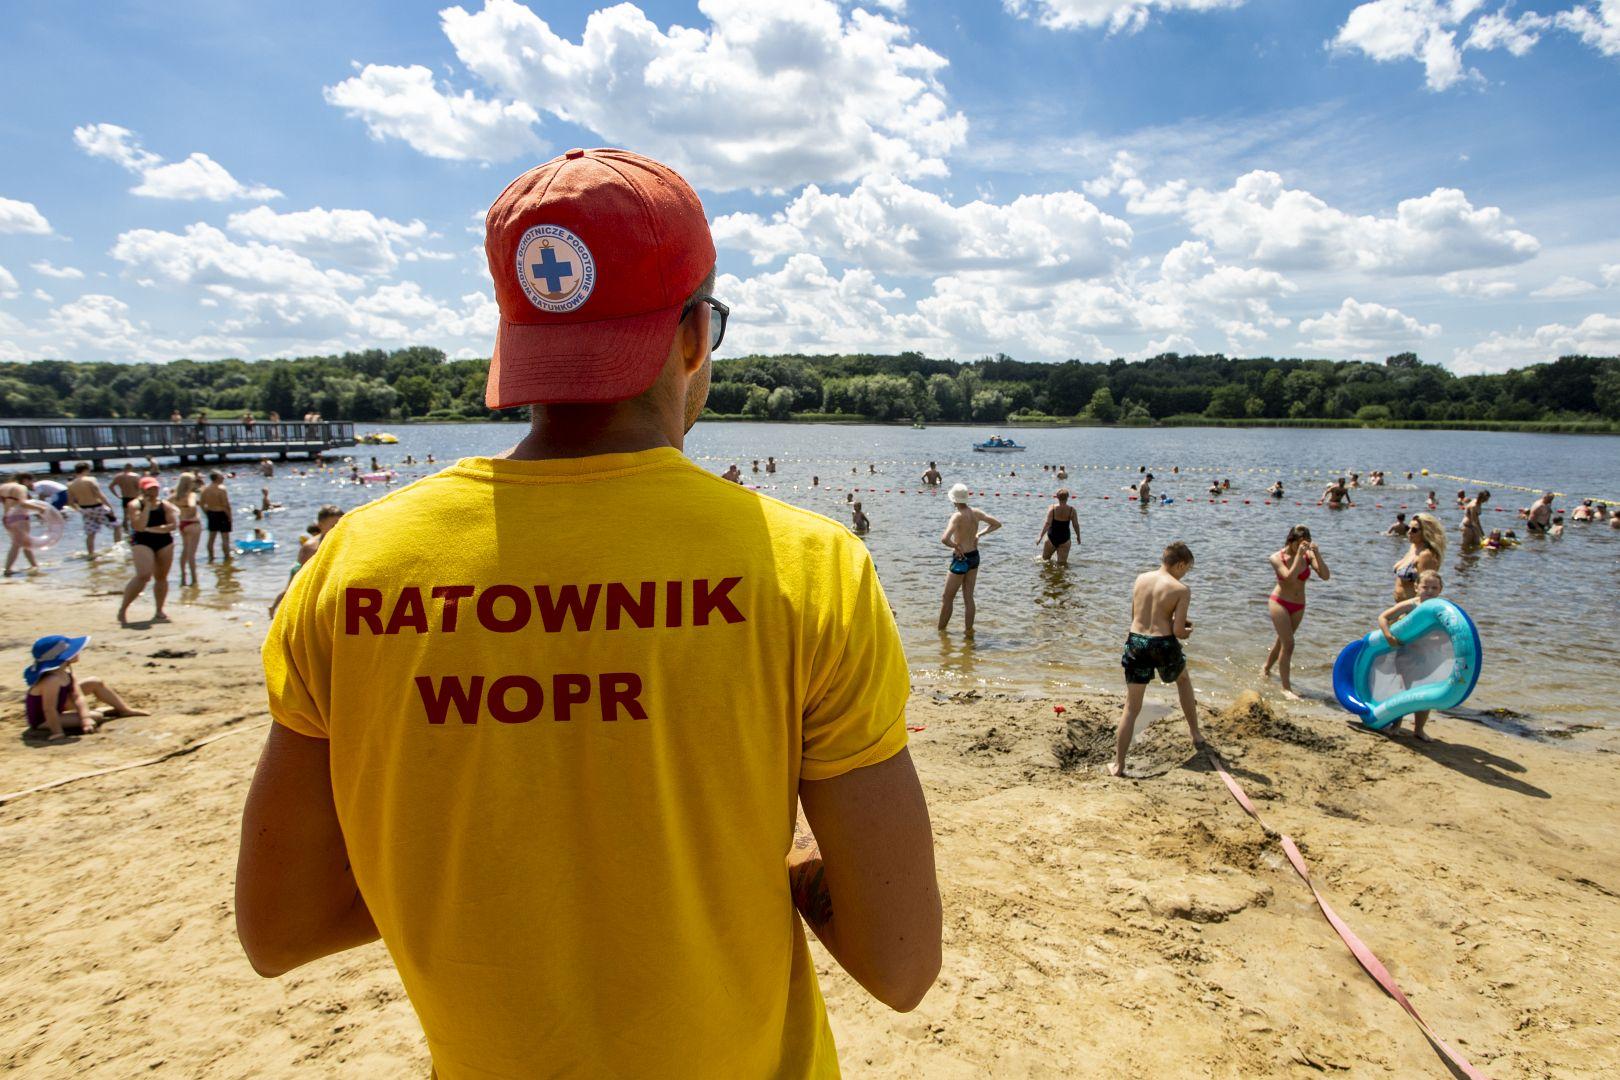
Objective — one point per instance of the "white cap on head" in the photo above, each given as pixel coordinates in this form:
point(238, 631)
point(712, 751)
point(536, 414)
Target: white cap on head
point(959, 493)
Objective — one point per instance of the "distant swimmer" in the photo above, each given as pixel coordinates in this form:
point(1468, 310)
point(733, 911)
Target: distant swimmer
point(1557, 530)
point(1433, 502)
point(858, 521)
point(1215, 487)
point(1614, 519)
point(1060, 529)
point(1462, 499)
point(962, 535)
point(871, 469)
point(1276, 490)
point(1539, 516)
point(1582, 512)
point(1355, 480)
point(1398, 527)
point(733, 474)
point(815, 481)
point(770, 466)
point(756, 464)
point(931, 475)
point(1144, 490)
point(1337, 495)
point(1473, 530)
point(1159, 624)
point(1063, 472)
point(1292, 568)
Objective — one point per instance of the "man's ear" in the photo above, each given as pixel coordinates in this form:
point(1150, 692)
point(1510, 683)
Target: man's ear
point(694, 338)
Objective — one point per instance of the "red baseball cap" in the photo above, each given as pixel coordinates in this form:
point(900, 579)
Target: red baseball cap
point(593, 254)
point(148, 482)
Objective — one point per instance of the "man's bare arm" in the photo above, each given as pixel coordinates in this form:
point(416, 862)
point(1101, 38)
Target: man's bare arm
point(296, 899)
point(864, 881)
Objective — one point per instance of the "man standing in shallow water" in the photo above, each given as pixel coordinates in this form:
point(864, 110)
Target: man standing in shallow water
point(962, 536)
point(555, 710)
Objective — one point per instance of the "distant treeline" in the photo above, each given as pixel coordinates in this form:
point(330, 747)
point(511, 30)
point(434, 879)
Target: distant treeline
point(1573, 393)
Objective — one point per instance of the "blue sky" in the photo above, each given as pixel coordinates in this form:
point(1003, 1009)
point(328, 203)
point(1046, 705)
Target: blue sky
point(1045, 178)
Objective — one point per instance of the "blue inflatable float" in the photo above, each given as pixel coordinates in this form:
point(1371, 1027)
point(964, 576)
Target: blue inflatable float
point(247, 545)
point(1436, 666)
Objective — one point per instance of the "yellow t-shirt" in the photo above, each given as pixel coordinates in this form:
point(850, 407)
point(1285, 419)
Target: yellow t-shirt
point(569, 705)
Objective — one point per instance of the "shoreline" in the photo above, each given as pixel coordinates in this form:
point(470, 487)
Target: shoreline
point(1093, 926)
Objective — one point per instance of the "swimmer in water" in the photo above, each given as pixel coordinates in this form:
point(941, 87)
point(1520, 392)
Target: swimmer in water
point(770, 466)
point(1429, 586)
point(1061, 521)
point(1063, 472)
point(1215, 487)
point(815, 481)
point(733, 474)
point(1159, 624)
point(962, 535)
point(1473, 530)
point(756, 465)
point(931, 475)
point(1433, 503)
point(1462, 499)
point(1398, 527)
point(1144, 490)
point(1557, 530)
point(858, 521)
point(1337, 495)
point(1276, 490)
point(1539, 516)
point(1292, 568)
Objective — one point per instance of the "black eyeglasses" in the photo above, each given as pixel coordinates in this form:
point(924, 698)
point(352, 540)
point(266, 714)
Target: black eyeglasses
point(717, 327)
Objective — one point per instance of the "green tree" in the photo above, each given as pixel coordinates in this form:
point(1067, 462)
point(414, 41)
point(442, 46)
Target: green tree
point(779, 405)
point(415, 395)
point(281, 392)
point(1229, 402)
point(1102, 407)
point(758, 403)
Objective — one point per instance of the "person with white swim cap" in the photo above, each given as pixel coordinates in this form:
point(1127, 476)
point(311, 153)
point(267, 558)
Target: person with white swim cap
point(962, 535)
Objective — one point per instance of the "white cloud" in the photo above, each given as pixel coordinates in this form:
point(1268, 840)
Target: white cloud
point(1484, 286)
point(1261, 220)
point(8, 284)
point(197, 177)
point(768, 96)
point(17, 216)
point(43, 296)
point(1596, 335)
point(889, 226)
point(1565, 287)
point(203, 255)
point(1517, 36)
point(65, 273)
point(1611, 274)
point(357, 239)
point(1126, 16)
point(1364, 330)
point(403, 103)
point(97, 318)
point(1599, 27)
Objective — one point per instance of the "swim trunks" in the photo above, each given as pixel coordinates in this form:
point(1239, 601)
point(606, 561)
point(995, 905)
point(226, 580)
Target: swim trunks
point(218, 521)
point(96, 518)
point(1144, 655)
point(1535, 526)
point(967, 562)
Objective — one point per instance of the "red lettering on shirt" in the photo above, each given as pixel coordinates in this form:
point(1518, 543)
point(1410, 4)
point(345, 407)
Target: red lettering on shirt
point(568, 691)
point(640, 609)
point(452, 595)
point(409, 611)
point(621, 688)
point(534, 699)
point(704, 601)
point(362, 605)
point(450, 693)
point(672, 603)
point(520, 609)
point(567, 603)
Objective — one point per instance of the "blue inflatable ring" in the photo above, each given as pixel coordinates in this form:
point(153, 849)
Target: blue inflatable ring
point(1436, 666)
point(255, 545)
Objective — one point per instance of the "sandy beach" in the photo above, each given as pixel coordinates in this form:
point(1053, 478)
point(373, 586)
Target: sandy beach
point(1144, 928)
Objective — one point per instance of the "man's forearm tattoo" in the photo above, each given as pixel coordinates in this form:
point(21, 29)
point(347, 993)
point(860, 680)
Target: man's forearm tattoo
point(810, 895)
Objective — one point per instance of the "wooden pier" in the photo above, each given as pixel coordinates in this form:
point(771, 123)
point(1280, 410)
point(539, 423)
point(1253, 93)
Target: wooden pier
point(55, 443)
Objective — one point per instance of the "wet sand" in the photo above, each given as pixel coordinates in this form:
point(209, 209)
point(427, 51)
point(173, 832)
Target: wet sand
point(1143, 928)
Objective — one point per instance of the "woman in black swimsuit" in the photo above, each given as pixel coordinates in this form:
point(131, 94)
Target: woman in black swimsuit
point(1055, 535)
point(153, 521)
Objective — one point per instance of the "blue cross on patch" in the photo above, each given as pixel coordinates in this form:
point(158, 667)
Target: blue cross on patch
point(549, 270)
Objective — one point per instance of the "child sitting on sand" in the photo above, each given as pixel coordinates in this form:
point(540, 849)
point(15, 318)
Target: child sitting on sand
point(1159, 624)
point(1430, 586)
point(55, 700)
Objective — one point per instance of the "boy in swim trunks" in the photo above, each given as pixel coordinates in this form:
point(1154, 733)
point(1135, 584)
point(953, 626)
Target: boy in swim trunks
point(1159, 624)
point(216, 507)
point(962, 535)
point(84, 494)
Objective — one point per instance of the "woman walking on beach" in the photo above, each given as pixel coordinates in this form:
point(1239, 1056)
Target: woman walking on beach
point(1056, 538)
point(190, 525)
point(1473, 530)
point(154, 521)
point(1292, 567)
point(1428, 541)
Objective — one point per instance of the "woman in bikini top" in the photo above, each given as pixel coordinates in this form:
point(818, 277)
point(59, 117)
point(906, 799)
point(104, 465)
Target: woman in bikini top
point(1428, 540)
point(1292, 567)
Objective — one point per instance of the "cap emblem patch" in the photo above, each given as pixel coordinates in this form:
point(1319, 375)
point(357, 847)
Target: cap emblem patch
point(556, 269)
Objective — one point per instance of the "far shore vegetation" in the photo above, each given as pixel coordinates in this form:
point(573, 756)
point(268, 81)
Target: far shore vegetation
point(1570, 394)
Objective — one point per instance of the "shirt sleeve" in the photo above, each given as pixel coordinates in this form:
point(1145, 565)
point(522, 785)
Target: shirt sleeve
point(859, 679)
point(298, 653)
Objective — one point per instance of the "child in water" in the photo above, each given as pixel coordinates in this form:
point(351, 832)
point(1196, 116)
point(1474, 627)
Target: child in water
point(1398, 528)
point(858, 520)
point(1430, 585)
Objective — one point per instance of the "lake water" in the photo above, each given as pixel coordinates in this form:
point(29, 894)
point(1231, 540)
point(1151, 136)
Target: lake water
point(1545, 611)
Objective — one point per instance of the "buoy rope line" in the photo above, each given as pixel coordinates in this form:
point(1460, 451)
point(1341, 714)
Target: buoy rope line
point(178, 752)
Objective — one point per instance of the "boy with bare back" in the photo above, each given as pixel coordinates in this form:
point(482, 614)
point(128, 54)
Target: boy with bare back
point(1159, 624)
point(962, 536)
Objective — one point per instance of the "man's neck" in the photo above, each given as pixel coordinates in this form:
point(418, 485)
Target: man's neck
point(586, 431)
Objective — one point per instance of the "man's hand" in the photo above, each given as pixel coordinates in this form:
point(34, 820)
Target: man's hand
point(807, 877)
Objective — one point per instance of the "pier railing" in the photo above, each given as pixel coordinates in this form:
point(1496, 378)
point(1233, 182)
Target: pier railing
point(54, 442)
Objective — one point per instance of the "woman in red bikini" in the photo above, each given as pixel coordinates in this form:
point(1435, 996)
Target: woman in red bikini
point(1292, 567)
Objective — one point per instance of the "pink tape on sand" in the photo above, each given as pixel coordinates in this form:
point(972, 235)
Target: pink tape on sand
point(1364, 956)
